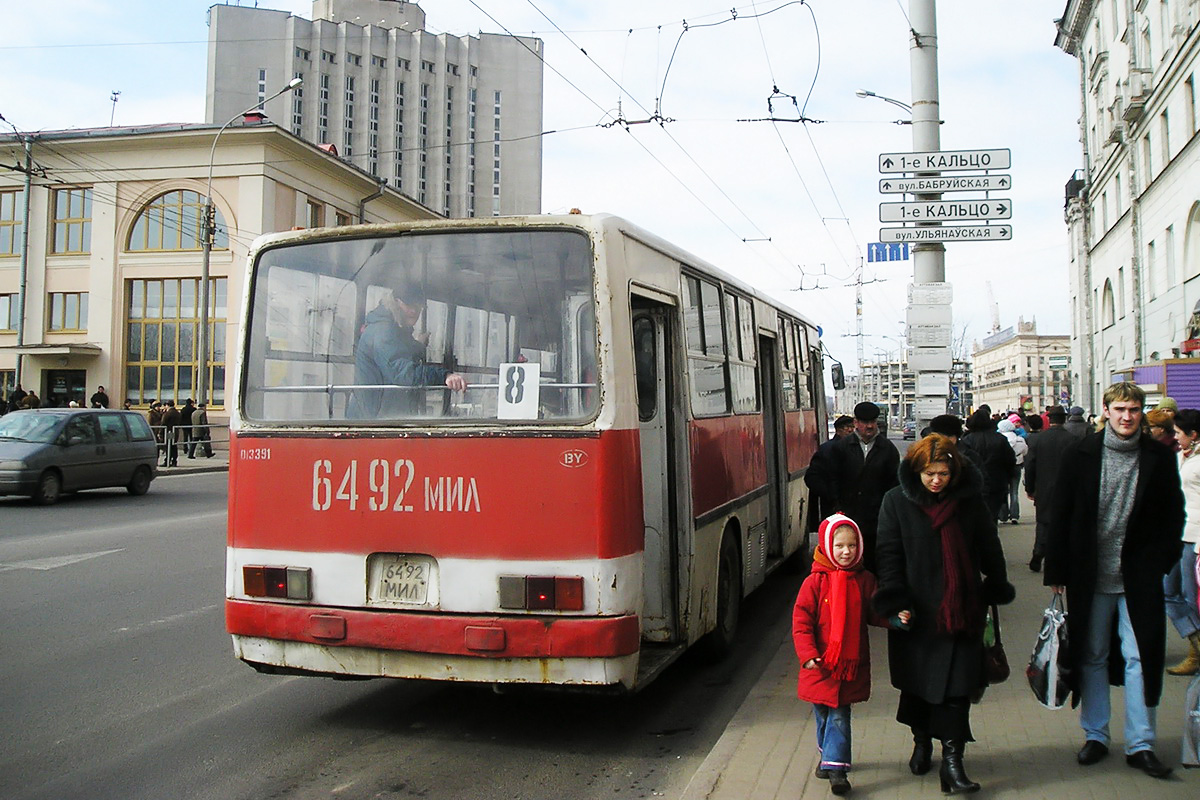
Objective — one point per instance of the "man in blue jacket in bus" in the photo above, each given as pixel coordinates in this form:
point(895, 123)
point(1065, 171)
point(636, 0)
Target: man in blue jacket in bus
point(389, 353)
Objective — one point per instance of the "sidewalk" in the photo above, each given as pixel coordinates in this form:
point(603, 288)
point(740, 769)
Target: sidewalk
point(190, 466)
point(1023, 750)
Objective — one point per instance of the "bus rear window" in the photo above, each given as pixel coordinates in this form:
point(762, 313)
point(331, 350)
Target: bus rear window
point(369, 330)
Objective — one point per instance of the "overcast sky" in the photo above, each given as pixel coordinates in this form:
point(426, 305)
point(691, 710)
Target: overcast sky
point(707, 180)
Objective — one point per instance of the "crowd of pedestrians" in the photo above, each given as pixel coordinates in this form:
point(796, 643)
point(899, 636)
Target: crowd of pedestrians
point(913, 544)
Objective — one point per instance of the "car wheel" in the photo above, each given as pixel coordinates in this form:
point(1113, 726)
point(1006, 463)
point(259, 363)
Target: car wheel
point(139, 484)
point(49, 489)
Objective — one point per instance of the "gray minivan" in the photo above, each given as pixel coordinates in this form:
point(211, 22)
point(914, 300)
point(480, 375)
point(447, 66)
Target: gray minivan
point(48, 451)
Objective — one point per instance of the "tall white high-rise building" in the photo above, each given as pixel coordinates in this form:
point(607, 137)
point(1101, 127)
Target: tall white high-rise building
point(451, 121)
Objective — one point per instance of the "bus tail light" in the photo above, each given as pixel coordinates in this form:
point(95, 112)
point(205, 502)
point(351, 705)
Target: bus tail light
point(535, 593)
point(289, 583)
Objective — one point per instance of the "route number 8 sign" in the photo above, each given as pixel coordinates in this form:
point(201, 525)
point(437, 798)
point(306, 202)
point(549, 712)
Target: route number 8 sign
point(518, 389)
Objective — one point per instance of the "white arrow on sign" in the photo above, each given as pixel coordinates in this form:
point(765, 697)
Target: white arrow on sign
point(948, 233)
point(945, 210)
point(945, 161)
point(948, 183)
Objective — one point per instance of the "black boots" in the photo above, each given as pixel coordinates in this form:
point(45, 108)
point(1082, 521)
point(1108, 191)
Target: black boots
point(922, 752)
point(954, 778)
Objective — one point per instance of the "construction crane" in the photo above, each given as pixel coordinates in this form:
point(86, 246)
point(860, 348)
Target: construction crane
point(995, 309)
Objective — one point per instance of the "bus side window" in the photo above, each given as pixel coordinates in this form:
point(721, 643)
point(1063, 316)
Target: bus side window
point(645, 361)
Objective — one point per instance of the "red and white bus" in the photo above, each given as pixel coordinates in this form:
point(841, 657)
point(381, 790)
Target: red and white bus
point(624, 465)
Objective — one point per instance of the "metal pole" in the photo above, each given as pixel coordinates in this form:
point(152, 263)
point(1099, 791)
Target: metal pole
point(929, 258)
point(209, 232)
point(24, 278)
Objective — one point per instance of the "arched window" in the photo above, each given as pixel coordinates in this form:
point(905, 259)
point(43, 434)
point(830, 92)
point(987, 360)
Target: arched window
point(174, 221)
point(1108, 311)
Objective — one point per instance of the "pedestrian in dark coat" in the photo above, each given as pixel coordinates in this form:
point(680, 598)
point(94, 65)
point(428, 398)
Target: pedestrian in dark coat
point(819, 477)
point(939, 557)
point(171, 421)
point(1042, 464)
point(1076, 424)
point(864, 469)
point(1116, 530)
point(995, 458)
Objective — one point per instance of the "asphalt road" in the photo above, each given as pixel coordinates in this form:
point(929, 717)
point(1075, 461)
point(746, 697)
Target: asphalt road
point(118, 681)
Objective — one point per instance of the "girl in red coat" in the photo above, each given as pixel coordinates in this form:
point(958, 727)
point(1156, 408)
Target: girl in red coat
point(829, 630)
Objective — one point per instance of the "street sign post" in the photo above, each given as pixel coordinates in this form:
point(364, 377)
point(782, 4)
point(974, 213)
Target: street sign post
point(945, 161)
point(946, 183)
point(948, 233)
point(945, 210)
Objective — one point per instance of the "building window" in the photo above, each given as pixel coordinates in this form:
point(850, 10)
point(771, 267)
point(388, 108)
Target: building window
point(399, 134)
point(11, 222)
point(315, 214)
point(323, 112)
point(427, 66)
point(1152, 270)
point(1169, 246)
point(298, 106)
point(67, 311)
point(1147, 159)
point(373, 128)
point(348, 135)
point(175, 221)
point(302, 54)
point(496, 158)
point(10, 312)
point(161, 338)
point(1164, 125)
point(376, 61)
point(327, 56)
point(72, 220)
point(343, 218)
point(8, 384)
point(1189, 101)
point(356, 60)
point(262, 87)
point(404, 64)
point(452, 69)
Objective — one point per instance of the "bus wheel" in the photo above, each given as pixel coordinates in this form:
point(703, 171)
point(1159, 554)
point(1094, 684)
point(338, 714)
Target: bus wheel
point(49, 489)
point(140, 483)
point(718, 643)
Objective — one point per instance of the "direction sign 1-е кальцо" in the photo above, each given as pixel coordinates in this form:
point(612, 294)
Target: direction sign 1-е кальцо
point(946, 183)
point(948, 233)
point(945, 210)
point(945, 161)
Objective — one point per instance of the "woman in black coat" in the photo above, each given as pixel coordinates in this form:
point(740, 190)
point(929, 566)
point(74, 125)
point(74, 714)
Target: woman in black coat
point(938, 557)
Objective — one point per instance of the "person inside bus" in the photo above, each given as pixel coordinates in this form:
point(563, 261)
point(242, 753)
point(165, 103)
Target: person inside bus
point(388, 352)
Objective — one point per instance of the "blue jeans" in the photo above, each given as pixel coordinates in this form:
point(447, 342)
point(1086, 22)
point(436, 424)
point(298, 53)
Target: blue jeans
point(1179, 586)
point(1095, 705)
point(833, 736)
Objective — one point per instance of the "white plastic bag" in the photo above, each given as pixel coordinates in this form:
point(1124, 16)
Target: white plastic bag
point(1049, 664)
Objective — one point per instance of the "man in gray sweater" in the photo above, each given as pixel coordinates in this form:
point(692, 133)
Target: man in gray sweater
point(1116, 528)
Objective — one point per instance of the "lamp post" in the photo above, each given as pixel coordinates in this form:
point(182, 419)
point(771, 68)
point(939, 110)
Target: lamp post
point(209, 231)
point(864, 93)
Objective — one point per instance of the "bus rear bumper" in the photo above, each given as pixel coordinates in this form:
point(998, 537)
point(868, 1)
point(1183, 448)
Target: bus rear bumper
point(490, 649)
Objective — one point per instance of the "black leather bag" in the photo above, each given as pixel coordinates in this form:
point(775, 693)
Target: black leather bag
point(995, 662)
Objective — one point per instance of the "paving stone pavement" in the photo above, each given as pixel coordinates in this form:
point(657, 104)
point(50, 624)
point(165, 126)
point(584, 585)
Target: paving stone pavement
point(1023, 750)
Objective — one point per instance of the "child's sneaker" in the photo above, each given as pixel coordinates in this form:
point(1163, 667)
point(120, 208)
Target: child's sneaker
point(838, 783)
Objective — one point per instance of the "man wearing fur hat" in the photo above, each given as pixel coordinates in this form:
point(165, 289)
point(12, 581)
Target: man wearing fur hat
point(1116, 530)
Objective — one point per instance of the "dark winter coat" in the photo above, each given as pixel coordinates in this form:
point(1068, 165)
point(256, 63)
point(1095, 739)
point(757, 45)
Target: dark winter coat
point(1152, 546)
point(994, 456)
point(387, 354)
point(821, 481)
point(859, 485)
point(1042, 465)
point(931, 665)
point(811, 620)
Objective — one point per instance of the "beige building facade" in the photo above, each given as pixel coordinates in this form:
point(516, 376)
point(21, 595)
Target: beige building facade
point(1016, 369)
point(99, 278)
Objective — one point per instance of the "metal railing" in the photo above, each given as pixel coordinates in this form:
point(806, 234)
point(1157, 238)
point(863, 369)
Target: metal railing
point(193, 439)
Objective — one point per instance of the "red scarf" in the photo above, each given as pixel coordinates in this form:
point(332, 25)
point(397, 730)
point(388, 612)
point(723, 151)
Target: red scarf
point(844, 637)
point(957, 613)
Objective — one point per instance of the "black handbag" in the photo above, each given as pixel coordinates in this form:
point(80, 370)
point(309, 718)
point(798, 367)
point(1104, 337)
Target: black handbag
point(995, 662)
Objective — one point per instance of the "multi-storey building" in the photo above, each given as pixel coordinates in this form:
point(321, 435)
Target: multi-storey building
point(101, 249)
point(892, 385)
point(1133, 211)
point(452, 121)
point(1016, 369)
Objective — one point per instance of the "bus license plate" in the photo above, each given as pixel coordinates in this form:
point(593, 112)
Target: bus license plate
point(400, 579)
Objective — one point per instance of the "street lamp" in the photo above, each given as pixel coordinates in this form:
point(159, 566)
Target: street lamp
point(866, 93)
point(209, 231)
